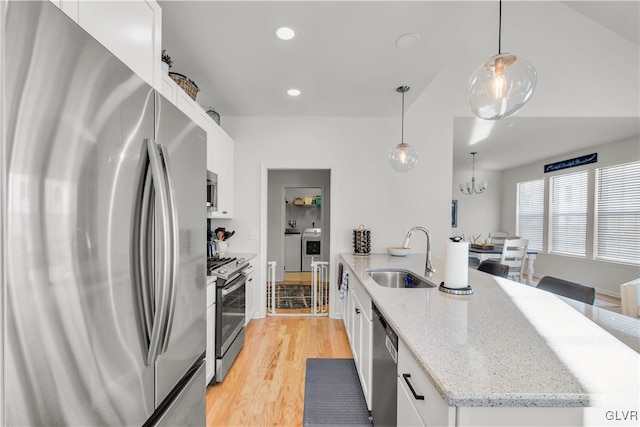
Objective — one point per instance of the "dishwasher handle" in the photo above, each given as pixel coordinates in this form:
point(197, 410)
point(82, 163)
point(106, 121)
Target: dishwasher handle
point(415, 395)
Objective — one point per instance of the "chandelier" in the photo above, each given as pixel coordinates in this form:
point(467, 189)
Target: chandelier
point(469, 188)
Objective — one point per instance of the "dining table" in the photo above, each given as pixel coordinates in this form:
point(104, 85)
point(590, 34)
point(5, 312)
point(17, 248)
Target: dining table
point(494, 252)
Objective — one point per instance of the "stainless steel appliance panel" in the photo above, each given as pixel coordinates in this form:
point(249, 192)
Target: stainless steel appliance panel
point(384, 371)
point(212, 192)
point(231, 303)
point(186, 163)
point(188, 407)
point(74, 122)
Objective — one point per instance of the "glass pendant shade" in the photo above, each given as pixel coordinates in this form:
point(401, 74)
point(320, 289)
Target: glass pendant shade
point(403, 157)
point(501, 86)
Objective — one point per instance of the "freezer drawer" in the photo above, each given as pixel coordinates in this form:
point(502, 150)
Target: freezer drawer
point(187, 408)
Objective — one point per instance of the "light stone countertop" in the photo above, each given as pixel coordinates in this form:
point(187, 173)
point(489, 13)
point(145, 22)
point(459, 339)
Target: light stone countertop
point(508, 344)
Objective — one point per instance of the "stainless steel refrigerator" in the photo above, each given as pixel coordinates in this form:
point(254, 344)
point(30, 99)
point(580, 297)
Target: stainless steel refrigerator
point(103, 189)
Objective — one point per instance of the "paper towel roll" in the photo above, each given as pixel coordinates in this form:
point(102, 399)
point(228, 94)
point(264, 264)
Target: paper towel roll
point(456, 266)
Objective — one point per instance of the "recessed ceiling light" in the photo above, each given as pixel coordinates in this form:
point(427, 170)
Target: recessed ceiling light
point(285, 33)
point(406, 41)
point(293, 92)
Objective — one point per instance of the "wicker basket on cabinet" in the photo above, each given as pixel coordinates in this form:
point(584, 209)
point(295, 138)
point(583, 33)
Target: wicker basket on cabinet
point(185, 84)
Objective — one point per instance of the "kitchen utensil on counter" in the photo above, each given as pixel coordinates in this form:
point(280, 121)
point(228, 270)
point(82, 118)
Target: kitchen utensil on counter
point(222, 234)
point(223, 247)
point(361, 241)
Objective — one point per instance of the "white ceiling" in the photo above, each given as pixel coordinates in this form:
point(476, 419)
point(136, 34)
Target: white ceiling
point(524, 140)
point(345, 62)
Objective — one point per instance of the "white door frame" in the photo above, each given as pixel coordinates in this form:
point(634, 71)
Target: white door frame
point(264, 202)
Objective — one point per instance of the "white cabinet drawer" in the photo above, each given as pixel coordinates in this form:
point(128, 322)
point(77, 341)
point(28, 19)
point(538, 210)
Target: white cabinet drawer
point(407, 412)
point(363, 296)
point(432, 409)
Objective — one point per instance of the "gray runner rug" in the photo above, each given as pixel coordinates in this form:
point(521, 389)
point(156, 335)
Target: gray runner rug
point(332, 394)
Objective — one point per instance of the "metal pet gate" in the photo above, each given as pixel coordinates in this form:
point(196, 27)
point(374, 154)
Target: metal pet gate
point(299, 299)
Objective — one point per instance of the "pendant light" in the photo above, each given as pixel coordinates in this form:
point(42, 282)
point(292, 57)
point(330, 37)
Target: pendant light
point(470, 187)
point(502, 85)
point(403, 157)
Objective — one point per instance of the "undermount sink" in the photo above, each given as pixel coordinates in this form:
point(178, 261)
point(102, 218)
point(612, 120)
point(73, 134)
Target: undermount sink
point(397, 278)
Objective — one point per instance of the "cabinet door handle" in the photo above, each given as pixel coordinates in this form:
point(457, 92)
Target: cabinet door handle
point(357, 311)
point(415, 395)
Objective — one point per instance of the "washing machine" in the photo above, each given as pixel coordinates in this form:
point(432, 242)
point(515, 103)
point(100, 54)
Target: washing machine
point(311, 247)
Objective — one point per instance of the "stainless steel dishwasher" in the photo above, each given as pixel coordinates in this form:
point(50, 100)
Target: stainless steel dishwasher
point(384, 370)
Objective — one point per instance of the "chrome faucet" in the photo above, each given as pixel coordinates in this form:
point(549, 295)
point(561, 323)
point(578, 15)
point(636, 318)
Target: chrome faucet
point(428, 268)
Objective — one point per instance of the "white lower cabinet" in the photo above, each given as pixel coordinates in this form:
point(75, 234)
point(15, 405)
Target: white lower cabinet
point(407, 413)
point(415, 389)
point(358, 322)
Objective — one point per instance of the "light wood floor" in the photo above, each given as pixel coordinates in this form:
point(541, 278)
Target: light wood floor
point(265, 386)
point(302, 277)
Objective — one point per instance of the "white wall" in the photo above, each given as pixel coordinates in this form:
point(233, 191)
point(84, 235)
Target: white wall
point(604, 276)
point(365, 190)
point(478, 214)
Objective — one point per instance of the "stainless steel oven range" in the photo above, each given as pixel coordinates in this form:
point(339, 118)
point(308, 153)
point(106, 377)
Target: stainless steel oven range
point(231, 280)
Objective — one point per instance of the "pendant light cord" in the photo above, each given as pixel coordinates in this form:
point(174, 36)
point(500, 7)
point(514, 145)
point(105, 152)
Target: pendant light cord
point(402, 131)
point(473, 167)
point(500, 29)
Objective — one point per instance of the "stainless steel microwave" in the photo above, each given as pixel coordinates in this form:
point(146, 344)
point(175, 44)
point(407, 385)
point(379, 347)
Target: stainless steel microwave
point(212, 192)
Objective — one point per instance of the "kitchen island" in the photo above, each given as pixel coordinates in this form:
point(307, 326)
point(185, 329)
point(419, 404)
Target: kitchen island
point(506, 346)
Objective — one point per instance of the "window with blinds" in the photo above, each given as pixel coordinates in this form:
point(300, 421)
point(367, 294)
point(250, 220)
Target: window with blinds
point(530, 213)
point(569, 214)
point(618, 213)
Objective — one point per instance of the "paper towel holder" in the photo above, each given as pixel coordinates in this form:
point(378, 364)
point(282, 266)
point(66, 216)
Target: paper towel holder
point(460, 291)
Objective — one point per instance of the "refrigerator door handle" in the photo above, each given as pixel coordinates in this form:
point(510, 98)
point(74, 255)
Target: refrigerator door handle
point(142, 256)
point(163, 272)
point(173, 248)
point(146, 252)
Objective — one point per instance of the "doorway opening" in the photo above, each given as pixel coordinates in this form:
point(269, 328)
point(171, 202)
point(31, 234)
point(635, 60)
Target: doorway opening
point(298, 241)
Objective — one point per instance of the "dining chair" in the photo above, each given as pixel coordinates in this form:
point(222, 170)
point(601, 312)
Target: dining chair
point(497, 237)
point(494, 268)
point(514, 254)
point(630, 298)
point(568, 289)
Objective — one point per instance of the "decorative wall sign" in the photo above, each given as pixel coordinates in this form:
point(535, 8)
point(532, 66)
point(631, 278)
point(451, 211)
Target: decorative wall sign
point(571, 163)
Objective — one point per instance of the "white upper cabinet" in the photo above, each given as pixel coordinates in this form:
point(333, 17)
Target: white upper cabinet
point(221, 159)
point(131, 30)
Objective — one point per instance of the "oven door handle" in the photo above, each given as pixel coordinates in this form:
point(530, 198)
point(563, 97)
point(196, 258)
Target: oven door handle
point(227, 291)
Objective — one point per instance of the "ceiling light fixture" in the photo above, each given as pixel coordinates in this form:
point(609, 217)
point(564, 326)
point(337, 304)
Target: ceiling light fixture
point(502, 85)
point(470, 187)
point(293, 92)
point(407, 41)
point(285, 33)
point(403, 157)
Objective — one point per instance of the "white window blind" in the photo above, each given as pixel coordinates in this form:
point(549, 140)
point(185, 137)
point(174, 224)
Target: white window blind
point(618, 213)
point(569, 213)
point(530, 213)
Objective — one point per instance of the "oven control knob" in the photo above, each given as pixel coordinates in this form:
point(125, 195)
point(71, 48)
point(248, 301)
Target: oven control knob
point(222, 270)
point(241, 261)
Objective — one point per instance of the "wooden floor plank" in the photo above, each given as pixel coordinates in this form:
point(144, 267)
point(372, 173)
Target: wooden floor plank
point(265, 385)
